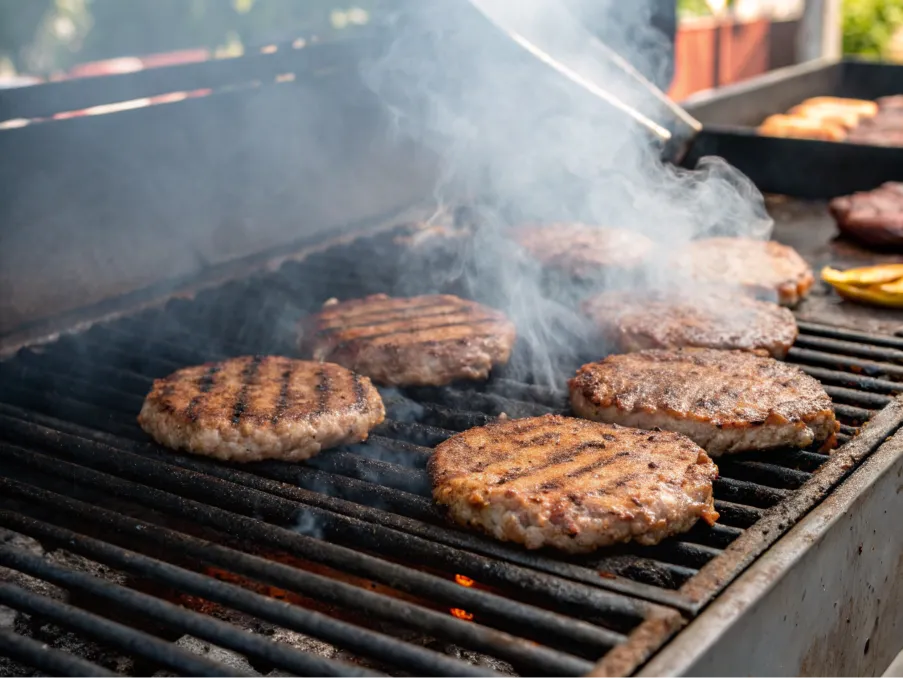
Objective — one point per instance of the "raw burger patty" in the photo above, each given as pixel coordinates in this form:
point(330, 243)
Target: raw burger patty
point(874, 217)
point(584, 250)
point(766, 269)
point(725, 401)
point(418, 341)
point(573, 484)
point(252, 408)
point(634, 322)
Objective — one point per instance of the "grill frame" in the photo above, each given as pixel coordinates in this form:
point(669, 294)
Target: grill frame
point(662, 618)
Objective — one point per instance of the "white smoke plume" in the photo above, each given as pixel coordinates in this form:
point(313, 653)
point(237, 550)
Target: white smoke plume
point(521, 143)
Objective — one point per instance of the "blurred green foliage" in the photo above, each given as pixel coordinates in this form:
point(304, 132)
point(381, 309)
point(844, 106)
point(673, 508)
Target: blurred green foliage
point(870, 25)
point(694, 8)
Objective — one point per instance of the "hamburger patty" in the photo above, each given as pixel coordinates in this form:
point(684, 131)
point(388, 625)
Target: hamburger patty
point(573, 484)
point(725, 401)
point(418, 341)
point(873, 217)
point(252, 408)
point(584, 250)
point(708, 319)
point(766, 269)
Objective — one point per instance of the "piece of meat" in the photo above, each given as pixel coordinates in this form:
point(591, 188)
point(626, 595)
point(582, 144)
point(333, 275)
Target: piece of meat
point(765, 269)
point(572, 484)
point(583, 250)
point(261, 407)
point(891, 103)
point(873, 217)
point(418, 341)
point(725, 401)
point(703, 318)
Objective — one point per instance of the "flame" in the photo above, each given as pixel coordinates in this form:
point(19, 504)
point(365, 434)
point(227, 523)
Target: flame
point(461, 614)
point(463, 581)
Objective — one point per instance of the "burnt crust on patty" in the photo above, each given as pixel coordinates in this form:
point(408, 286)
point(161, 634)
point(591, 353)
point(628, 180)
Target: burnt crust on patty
point(583, 250)
point(631, 321)
point(763, 268)
point(430, 340)
point(725, 401)
point(261, 407)
point(572, 484)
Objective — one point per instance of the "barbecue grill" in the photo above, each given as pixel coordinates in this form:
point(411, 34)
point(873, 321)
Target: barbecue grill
point(124, 558)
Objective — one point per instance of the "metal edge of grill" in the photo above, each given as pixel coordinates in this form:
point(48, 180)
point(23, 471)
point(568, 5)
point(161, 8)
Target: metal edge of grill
point(769, 510)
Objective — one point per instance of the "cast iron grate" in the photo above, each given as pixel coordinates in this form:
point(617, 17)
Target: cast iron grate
point(379, 561)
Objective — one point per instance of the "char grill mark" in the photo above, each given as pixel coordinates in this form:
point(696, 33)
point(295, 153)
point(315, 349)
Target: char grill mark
point(412, 327)
point(430, 340)
point(282, 403)
point(323, 386)
point(390, 317)
point(358, 384)
point(205, 385)
point(248, 375)
point(559, 466)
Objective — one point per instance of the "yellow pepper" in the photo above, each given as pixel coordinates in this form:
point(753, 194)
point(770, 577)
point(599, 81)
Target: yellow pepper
point(879, 285)
point(869, 275)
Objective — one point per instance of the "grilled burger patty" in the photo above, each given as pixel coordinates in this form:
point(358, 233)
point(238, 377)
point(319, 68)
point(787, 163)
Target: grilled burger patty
point(632, 322)
point(584, 250)
point(261, 407)
point(418, 341)
point(873, 217)
point(725, 401)
point(573, 484)
point(766, 269)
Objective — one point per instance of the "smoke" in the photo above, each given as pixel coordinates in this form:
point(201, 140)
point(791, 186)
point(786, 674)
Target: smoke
point(524, 143)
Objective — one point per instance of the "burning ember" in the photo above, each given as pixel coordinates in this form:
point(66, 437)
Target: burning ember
point(466, 582)
point(461, 614)
point(463, 580)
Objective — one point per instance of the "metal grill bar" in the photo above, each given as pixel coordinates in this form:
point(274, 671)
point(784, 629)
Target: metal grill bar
point(46, 659)
point(545, 623)
point(851, 380)
point(337, 529)
point(845, 334)
point(109, 632)
point(362, 641)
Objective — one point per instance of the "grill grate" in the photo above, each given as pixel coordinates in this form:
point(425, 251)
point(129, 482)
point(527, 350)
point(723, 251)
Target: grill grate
point(365, 543)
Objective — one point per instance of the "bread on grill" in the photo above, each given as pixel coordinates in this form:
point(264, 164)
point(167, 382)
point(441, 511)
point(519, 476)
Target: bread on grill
point(765, 269)
point(261, 407)
point(703, 318)
point(798, 127)
point(429, 340)
point(572, 484)
point(863, 107)
point(725, 401)
point(583, 250)
point(873, 217)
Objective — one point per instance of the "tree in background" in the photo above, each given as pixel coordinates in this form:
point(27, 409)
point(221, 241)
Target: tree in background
point(869, 26)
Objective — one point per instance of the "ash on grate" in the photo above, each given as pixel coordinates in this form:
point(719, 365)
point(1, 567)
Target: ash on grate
point(48, 633)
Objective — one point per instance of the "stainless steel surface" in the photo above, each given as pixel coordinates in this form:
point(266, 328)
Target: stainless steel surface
point(827, 599)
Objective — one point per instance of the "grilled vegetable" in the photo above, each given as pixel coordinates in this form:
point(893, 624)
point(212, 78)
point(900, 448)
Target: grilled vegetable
point(878, 285)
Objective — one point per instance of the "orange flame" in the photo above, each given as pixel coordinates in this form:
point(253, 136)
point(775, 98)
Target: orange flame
point(461, 614)
point(463, 581)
